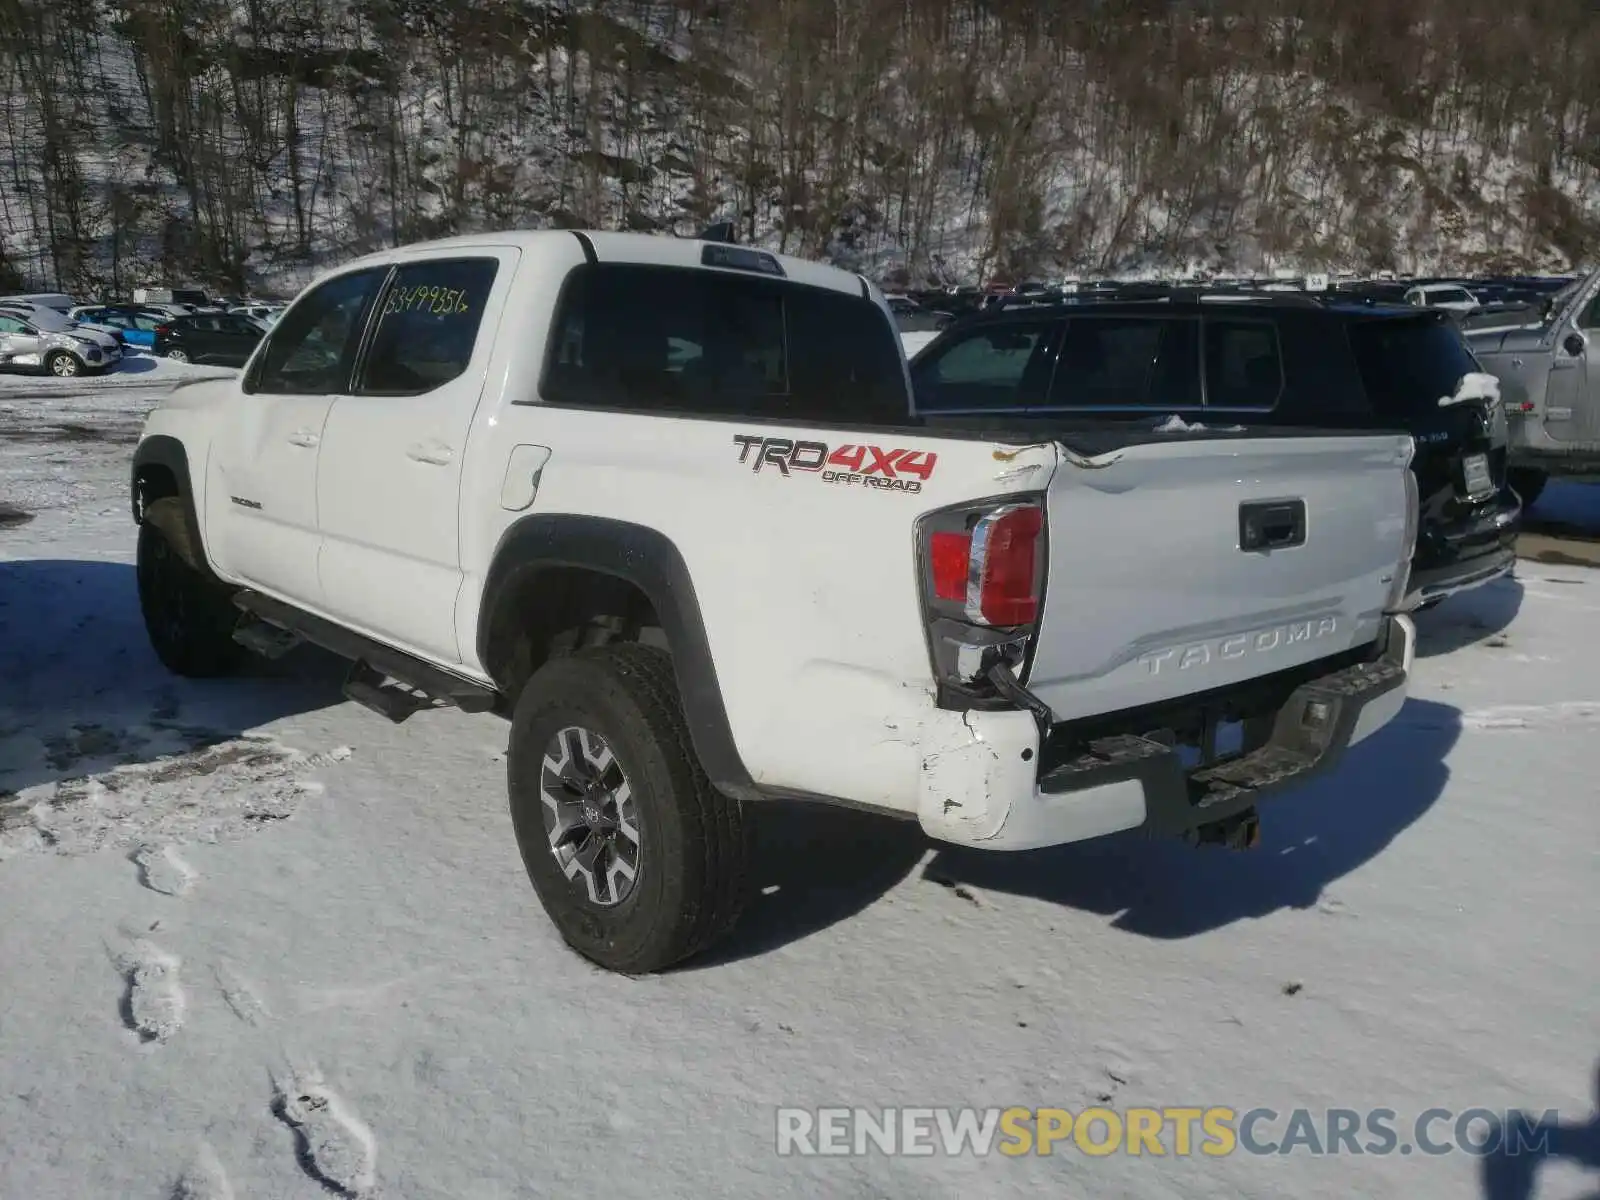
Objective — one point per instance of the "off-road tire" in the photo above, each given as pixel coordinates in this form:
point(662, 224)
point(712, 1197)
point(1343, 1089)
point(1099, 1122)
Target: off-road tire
point(189, 618)
point(693, 867)
point(1527, 483)
point(63, 364)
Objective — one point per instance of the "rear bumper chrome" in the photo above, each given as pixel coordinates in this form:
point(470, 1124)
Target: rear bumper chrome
point(1439, 582)
point(989, 794)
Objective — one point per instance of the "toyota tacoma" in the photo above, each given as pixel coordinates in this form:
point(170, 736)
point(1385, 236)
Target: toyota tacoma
point(663, 504)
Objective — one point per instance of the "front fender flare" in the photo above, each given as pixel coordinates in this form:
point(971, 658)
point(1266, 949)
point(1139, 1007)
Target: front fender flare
point(651, 562)
point(162, 450)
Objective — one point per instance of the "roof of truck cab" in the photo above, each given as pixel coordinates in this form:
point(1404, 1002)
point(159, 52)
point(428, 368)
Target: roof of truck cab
point(642, 249)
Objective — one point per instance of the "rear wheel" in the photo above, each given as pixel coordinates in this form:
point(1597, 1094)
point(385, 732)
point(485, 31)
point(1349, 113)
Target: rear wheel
point(637, 859)
point(190, 620)
point(178, 354)
point(1527, 483)
point(63, 364)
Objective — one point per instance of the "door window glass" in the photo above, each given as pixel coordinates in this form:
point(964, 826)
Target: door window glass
point(427, 326)
point(313, 348)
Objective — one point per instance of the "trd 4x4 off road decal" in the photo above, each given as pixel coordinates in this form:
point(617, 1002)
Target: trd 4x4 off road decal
point(893, 470)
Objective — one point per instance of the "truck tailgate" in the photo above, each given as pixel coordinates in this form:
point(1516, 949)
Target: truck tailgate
point(1150, 594)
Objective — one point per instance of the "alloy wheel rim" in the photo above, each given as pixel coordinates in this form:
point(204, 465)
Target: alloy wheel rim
point(590, 819)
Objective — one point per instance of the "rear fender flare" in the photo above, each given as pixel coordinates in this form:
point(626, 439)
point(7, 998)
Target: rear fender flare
point(651, 562)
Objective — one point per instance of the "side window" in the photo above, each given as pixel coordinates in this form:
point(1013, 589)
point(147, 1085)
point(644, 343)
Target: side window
point(427, 326)
point(12, 325)
point(313, 348)
point(1244, 365)
point(709, 342)
point(1591, 315)
point(1007, 366)
point(1129, 362)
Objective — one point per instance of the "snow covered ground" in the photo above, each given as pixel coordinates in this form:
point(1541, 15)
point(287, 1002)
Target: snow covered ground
point(258, 942)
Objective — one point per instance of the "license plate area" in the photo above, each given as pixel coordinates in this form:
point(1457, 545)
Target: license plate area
point(1476, 480)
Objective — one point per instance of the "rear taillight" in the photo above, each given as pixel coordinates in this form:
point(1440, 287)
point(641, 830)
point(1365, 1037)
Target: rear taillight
point(990, 564)
point(1408, 544)
point(163, 329)
point(982, 582)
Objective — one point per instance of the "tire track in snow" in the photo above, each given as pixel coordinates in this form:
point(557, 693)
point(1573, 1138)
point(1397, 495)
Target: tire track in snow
point(225, 788)
point(1532, 716)
point(333, 1145)
point(153, 1005)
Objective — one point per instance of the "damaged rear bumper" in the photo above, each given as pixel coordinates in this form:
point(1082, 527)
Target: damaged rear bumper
point(989, 791)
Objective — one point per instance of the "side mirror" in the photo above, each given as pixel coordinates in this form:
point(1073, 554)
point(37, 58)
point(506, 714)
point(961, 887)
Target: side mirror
point(1575, 344)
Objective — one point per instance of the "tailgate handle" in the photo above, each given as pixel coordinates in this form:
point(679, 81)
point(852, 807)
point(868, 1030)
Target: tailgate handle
point(1272, 525)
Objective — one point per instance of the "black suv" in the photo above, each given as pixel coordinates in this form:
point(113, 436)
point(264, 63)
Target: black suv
point(1258, 359)
point(221, 338)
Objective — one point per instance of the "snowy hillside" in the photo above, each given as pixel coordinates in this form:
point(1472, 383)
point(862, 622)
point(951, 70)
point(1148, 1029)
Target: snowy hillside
point(241, 144)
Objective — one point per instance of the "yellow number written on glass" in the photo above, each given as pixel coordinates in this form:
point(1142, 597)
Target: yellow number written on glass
point(438, 301)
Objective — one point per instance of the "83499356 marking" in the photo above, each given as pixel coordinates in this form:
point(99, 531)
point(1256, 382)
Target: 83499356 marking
point(878, 467)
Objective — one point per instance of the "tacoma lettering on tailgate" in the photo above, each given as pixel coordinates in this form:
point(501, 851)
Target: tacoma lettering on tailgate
point(1264, 641)
point(895, 470)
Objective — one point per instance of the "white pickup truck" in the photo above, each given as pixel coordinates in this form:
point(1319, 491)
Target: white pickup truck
point(660, 502)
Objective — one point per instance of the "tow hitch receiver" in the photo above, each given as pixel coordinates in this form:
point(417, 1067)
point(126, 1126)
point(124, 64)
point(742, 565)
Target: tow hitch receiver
point(1239, 832)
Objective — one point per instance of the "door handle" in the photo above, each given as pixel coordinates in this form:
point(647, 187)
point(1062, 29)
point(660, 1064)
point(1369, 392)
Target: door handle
point(433, 453)
point(304, 437)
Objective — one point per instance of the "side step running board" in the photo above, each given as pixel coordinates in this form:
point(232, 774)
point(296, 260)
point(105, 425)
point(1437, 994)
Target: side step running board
point(266, 640)
point(425, 685)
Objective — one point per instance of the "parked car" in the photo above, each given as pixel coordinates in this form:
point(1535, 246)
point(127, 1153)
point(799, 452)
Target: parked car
point(43, 340)
point(911, 317)
point(192, 297)
point(1449, 296)
point(1548, 364)
point(133, 326)
point(218, 338)
point(1263, 360)
point(58, 301)
point(660, 501)
point(267, 314)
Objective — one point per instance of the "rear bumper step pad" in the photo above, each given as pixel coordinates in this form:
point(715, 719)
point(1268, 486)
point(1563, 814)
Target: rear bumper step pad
point(1310, 731)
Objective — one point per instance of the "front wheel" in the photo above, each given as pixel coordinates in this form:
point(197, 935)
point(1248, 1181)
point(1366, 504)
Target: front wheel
point(178, 354)
point(189, 619)
point(63, 364)
point(637, 859)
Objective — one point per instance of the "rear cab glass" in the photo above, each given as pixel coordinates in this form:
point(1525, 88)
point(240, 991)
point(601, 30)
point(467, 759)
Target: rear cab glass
point(703, 342)
point(1406, 365)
